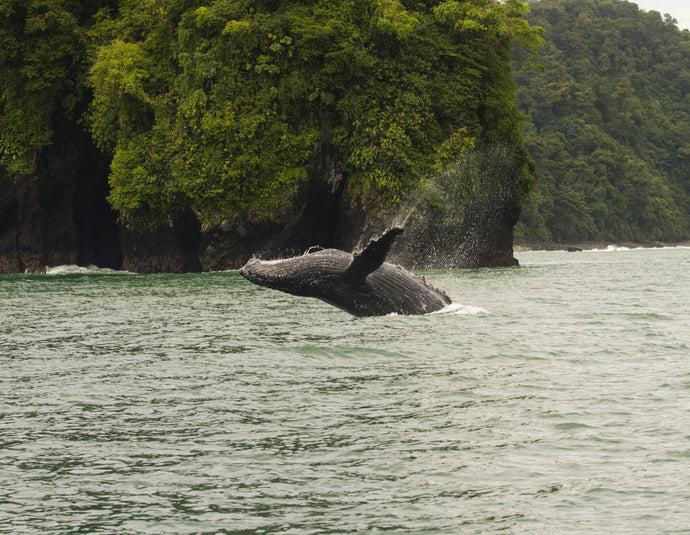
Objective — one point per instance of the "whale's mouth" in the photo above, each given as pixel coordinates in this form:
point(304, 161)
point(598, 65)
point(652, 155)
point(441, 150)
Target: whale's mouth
point(287, 275)
point(246, 270)
point(255, 271)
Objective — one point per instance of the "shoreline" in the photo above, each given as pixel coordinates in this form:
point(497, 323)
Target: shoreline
point(521, 247)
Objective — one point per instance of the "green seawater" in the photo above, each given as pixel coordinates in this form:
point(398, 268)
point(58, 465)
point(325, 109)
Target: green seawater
point(551, 398)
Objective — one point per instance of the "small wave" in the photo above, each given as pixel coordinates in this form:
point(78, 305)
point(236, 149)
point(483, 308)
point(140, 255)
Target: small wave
point(610, 249)
point(461, 310)
point(614, 248)
point(70, 269)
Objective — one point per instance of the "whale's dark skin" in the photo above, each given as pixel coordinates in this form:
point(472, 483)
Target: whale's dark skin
point(361, 283)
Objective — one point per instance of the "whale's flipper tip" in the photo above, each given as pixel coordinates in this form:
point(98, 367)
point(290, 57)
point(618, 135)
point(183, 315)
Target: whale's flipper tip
point(372, 256)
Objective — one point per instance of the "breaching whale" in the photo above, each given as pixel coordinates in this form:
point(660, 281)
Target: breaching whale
point(362, 283)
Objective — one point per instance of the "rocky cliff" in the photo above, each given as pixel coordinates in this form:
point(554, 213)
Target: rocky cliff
point(61, 216)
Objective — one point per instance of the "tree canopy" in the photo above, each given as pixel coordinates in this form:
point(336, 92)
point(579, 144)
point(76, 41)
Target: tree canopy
point(609, 124)
point(44, 65)
point(218, 105)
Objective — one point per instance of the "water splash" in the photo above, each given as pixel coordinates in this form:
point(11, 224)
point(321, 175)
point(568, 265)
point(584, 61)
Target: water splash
point(403, 215)
point(70, 269)
point(460, 215)
point(461, 310)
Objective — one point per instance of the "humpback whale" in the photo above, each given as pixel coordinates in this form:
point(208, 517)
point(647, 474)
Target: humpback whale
point(362, 283)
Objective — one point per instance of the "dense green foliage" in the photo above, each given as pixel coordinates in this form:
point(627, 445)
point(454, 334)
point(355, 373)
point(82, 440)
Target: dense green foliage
point(218, 105)
point(609, 124)
point(44, 48)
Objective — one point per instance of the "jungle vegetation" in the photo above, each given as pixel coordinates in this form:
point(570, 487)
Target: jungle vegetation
point(608, 124)
point(216, 106)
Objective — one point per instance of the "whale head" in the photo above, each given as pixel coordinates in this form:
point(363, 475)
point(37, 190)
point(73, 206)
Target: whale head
point(308, 275)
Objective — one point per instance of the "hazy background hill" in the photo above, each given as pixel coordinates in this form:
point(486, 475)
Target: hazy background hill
point(609, 124)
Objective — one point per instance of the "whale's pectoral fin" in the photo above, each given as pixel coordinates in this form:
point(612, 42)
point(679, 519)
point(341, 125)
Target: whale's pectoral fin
point(371, 258)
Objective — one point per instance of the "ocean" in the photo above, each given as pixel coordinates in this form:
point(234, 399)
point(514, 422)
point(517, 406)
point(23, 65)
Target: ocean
point(550, 398)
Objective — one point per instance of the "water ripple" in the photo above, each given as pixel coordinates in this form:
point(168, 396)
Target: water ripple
point(202, 404)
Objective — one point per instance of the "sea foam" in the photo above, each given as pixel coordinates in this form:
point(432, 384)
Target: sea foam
point(71, 269)
point(461, 310)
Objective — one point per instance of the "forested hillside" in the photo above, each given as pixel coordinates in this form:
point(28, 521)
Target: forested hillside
point(218, 106)
point(269, 123)
point(609, 124)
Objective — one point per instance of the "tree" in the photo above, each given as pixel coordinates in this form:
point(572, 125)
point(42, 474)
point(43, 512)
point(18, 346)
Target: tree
point(43, 58)
point(608, 124)
point(217, 106)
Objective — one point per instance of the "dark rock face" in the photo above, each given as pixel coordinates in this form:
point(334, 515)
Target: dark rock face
point(174, 249)
point(61, 216)
point(486, 235)
point(58, 223)
point(482, 238)
point(21, 223)
point(97, 234)
point(231, 244)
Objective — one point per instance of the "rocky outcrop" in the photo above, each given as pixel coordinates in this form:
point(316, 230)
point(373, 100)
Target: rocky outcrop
point(21, 223)
point(58, 216)
point(44, 225)
point(61, 216)
point(482, 239)
point(172, 249)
